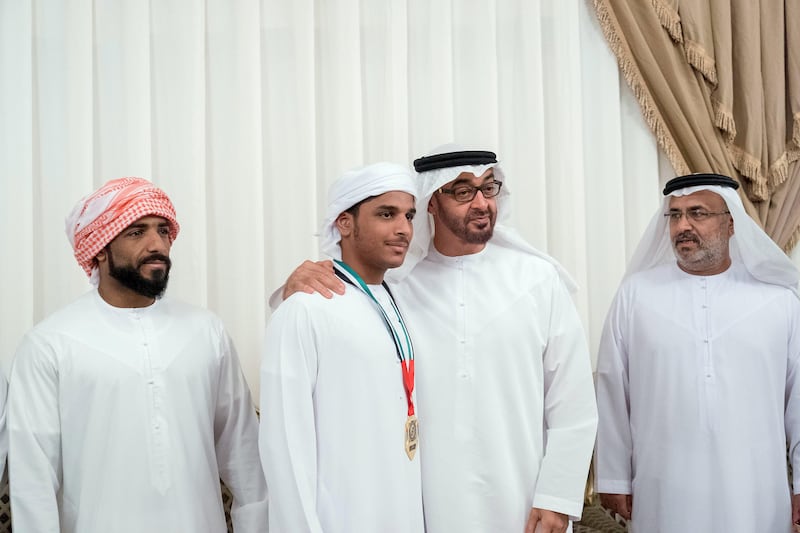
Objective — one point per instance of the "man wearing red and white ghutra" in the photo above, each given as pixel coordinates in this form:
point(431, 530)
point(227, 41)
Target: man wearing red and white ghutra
point(697, 375)
point(125, 407)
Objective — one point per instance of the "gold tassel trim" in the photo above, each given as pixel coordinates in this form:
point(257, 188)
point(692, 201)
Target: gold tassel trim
point(779, 171)
point(723, 120)
point(793, 240)
point(701, 61)
point(697, 56)
point(796, 130)
point(633, 77)
point(669, 19)
point(750, 168)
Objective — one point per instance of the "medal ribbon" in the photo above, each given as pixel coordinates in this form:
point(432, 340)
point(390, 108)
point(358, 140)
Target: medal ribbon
point(405, 356)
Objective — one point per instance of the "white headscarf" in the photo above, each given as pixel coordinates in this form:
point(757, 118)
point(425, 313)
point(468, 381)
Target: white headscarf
point(356, 185)
point(504, 235)
point(748, 245)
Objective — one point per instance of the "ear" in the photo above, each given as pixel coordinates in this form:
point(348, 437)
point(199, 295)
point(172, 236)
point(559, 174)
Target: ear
point(730, 227)
point(433, 205)
point(344, 223)
point(101, 256)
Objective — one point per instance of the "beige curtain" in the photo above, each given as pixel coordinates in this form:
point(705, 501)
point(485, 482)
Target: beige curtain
point(718, 82)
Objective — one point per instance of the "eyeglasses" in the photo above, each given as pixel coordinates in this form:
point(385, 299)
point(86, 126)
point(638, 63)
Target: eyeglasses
point(696, 215)
point(466, 193)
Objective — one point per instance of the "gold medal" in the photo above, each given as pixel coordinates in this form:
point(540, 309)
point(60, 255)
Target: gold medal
point(412, 435)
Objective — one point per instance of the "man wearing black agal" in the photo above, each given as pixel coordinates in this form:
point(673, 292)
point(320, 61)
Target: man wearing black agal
point(507, 411)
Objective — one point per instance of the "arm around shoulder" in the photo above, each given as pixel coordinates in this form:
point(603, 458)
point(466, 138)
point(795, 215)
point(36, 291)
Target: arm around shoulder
point(309, 277)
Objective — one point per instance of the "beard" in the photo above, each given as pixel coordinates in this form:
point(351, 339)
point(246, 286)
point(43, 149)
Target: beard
point(708, 254)
point(461, 229)
point(130, 277)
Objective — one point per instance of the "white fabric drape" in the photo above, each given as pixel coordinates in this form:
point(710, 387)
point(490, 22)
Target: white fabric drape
point(244, 111)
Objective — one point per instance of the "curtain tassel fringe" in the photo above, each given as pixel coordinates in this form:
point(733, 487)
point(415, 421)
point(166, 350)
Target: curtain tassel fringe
point(701, 61)
point(637, 85)
point(723, 120)
point(750, 167)
point(793, 240)
point(669, 19)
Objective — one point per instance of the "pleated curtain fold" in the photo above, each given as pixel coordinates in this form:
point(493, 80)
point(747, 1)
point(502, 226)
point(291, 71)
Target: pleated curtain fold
point(718, 82)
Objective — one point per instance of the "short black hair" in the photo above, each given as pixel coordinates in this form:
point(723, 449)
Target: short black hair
point(353, 209)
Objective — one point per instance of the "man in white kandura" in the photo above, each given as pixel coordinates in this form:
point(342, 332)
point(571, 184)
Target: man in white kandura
point(338, 427)
point(697, 374)
point(126, 408)
point(507, 409)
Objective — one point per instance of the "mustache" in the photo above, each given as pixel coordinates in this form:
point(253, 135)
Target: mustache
point(154, 258)
point(686, 236)
point(478, 213)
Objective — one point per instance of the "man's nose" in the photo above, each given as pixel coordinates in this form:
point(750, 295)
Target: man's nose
point(404, 226)
point(683, 222)
point(480, 201)
point(157, 242)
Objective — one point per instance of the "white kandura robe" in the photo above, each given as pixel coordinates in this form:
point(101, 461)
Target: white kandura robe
point(333, 414)
point(504, 381)
point(3, 423)
point(124, 420)
point(698, 393)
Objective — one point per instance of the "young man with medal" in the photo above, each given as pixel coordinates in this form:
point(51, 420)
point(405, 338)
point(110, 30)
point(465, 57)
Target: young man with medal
point(338, 435)
point(507, 414)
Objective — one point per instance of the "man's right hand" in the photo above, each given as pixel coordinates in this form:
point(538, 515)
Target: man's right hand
point(622, 504)
point(311, 277)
